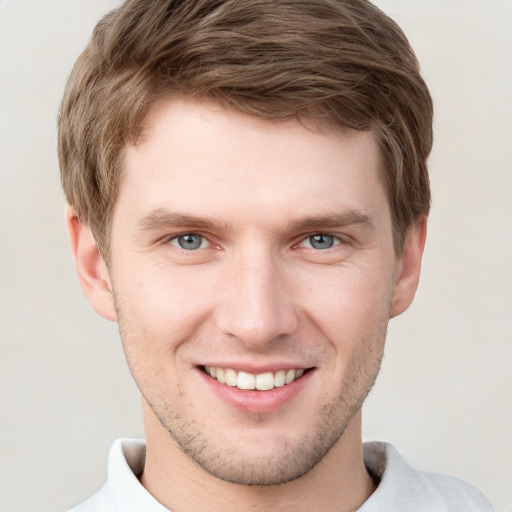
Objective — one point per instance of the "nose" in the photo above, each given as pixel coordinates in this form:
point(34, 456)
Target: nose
point(256, 307)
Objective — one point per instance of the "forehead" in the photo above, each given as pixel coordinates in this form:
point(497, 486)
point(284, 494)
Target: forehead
point(199, 157)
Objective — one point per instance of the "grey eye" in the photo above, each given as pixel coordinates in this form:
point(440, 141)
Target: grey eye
point(189, 241)
point(321, 241)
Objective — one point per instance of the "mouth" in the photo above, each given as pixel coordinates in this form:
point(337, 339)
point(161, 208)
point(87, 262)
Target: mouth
point(249, 381)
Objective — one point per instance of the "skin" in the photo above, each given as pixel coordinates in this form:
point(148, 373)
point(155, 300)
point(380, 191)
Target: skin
point(255, 294)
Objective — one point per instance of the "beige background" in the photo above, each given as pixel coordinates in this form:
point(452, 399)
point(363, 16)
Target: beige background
point(444, 396)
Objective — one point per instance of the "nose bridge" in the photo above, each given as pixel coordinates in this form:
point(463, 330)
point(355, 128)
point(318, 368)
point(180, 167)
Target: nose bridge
point(257, 307)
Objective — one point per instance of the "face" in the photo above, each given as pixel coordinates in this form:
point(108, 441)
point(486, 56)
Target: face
point(253, 272)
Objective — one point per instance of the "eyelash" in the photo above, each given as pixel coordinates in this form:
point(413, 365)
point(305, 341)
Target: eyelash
point(336, 241)
point(176, 238)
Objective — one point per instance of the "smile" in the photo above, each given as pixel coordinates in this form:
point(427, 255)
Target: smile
point(248, 381)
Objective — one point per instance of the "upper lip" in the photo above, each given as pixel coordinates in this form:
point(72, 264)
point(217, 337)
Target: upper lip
point(256, 368)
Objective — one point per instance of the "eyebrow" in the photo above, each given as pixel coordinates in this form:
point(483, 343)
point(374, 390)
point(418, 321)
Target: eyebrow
point(336, 220)
point(161, 218)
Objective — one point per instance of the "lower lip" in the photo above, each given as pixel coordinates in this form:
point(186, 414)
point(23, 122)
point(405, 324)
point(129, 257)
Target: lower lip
point(256, 402)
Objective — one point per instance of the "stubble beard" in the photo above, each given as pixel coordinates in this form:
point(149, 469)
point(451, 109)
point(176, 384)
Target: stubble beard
point(292, 459)
point(289, 462)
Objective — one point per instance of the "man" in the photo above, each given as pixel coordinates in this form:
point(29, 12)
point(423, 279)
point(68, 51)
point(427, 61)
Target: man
point(248, 196)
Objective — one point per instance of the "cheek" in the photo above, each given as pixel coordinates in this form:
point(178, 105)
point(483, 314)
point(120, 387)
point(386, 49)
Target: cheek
point(161, 307)
point(349, 300)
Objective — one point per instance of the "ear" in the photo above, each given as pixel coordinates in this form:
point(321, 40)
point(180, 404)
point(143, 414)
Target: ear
point(408, 272)
point(90, 266)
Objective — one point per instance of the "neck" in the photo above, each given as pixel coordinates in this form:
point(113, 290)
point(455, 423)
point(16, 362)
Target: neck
point(339, 482)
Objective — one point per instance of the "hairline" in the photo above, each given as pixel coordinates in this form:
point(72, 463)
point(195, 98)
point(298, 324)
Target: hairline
point(137, 135)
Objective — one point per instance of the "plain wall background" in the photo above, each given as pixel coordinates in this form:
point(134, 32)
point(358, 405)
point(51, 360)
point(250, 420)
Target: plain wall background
point(444, 397)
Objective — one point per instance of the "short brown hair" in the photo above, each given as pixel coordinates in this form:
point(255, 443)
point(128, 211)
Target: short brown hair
point(341, 61)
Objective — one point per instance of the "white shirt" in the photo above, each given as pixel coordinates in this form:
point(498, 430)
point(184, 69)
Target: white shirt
point(401, 488)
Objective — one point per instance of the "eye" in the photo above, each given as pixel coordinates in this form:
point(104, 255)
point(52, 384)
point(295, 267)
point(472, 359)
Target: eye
point(321, 241)
point(189, 241)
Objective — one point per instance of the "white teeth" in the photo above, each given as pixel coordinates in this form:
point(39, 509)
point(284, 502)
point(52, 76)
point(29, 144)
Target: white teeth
point(265, 381)
point(261, 381)
point(290, 376)
point(280, 379)
point(220, 375)
point(230, 377)
point(245, 381)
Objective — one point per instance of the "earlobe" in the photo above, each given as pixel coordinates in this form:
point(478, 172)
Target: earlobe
point(409, 268)
point(90, 266)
